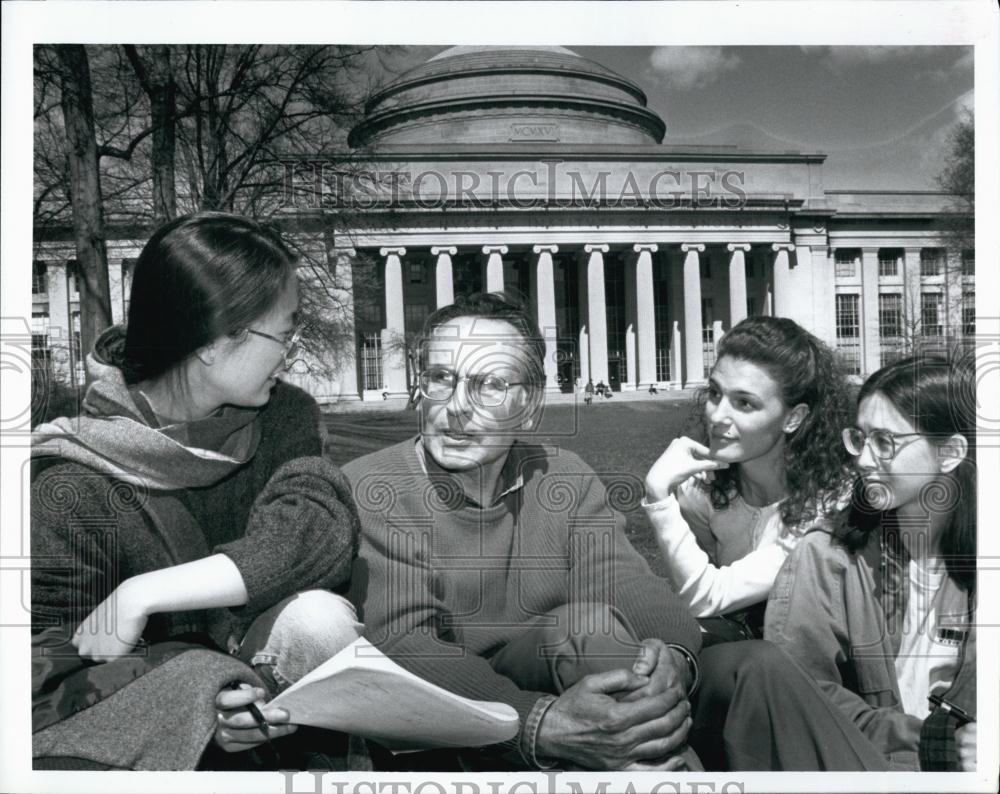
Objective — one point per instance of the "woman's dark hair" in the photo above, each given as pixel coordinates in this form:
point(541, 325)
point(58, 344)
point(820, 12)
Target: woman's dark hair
point(816, 463)
point(495, 306)
point(938, 396)
point(198, 278)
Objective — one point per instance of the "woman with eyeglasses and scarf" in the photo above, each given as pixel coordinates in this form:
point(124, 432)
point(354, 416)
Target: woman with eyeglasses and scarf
point(187, 534)
point(880, 611)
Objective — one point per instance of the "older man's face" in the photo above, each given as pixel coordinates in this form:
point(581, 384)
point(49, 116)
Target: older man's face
point(459, 433)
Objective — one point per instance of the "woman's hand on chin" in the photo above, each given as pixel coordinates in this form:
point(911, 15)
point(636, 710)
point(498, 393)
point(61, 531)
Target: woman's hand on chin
point(682, 459)
point(115, 626)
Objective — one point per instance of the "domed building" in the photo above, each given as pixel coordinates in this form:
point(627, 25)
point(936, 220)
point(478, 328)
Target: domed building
point(537, 170)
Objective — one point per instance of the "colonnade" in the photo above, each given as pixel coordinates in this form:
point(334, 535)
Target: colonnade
point(592, 335)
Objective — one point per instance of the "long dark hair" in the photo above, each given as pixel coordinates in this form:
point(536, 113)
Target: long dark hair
point(816, 463)
point(938, 396)
point(198, 278)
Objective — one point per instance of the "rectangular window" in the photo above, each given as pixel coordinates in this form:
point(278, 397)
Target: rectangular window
point(748, 265)
point(969, 313)
point(931, 261)
point(39, 331)
point(414, 316)
point(848, 324)
point(705, 267)
point(968, 262)
point(890, 314)
point(930, 315)
point(848, 327)
point(39, 285)
point(417, 272)
point(843, 263)
point(371, 361)
point(890, 327)
point(888, 261)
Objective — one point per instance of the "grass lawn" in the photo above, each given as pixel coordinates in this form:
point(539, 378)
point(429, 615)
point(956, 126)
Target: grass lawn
point(617, 439)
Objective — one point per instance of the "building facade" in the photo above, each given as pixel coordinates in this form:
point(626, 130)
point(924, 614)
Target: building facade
point(542, 172)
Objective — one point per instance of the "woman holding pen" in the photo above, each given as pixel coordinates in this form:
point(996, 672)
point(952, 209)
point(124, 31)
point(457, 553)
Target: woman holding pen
point(186, 532)
point(880, 610)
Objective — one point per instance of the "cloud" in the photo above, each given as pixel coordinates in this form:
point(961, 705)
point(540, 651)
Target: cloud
point(847, 56)
point(691, 67)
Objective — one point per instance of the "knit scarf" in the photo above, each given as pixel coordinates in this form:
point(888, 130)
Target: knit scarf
point(113, 436)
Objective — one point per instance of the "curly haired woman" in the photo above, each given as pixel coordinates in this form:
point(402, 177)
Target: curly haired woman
point(727, 514)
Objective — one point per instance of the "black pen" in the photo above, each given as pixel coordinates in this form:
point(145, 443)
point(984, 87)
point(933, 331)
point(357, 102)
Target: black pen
point(960, 714)
point(257, 714)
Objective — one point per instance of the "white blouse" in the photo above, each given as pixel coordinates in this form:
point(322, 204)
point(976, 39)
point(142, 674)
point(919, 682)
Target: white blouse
point(719, 561)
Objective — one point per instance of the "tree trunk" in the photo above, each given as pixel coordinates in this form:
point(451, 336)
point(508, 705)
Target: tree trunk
point(163, 104)
point(85, 193)
point(156, 76)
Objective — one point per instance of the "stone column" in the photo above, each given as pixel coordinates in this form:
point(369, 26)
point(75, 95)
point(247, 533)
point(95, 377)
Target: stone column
point(393, 356)
point(544, 289)
point(737, 282)
point(342, 261)
point(911, 292)
point(115, 290)
point(872, 354)
point(782, 301)
point(694, 359)
point(494, 266)
point(806, 291)
point(583, 329)
point(60, 333)
point(443, 274)
point(631, 377)
point(645, 313)
point(597, 313)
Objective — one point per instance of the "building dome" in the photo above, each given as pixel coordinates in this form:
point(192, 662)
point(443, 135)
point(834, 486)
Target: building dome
point(497, 95)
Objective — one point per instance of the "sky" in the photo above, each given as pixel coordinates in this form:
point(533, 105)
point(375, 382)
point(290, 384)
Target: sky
point(881, 114)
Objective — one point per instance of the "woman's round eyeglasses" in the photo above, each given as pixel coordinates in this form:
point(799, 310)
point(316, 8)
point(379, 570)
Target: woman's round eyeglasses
point(485, 389)
point(883, 442)
point(291, 343)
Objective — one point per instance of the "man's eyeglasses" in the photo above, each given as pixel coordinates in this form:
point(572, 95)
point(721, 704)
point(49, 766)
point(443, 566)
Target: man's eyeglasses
point(484, 389)
point(883, 442)
point(291, 344)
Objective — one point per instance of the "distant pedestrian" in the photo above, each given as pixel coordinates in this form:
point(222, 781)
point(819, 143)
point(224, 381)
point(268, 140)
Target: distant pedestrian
point(652, 388)
point(588, 392)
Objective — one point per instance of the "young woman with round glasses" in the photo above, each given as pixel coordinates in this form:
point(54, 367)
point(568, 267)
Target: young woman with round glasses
point(726, 513)
point(186, 529)
point(880, 610)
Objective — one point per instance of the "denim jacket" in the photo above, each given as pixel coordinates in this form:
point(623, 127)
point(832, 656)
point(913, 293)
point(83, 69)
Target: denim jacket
point(825, 611)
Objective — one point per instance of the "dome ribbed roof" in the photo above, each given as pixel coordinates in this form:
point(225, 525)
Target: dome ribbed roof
point(490, 94)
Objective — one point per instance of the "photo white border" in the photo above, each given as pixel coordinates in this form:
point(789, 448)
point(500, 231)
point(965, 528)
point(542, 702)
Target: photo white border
point(973, 22)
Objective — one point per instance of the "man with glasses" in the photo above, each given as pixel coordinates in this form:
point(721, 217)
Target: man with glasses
point(499, 569)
